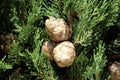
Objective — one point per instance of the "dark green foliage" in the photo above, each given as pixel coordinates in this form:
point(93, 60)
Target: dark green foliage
point(97, 64)
point(5, 16)
point(77, 69)
point(96, 28)
point(13, 56)
point(41, 67)
point(94, 18)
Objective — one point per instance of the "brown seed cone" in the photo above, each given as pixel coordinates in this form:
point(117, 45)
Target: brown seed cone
point(115, 71)
point(5, 41)
point(64, 54)
point(57, 29)
point(47, 48)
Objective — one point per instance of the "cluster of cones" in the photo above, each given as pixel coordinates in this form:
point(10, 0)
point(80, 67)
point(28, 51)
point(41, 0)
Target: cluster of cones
point(59, 48)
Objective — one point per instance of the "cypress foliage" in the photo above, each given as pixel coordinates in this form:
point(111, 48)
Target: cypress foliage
point(96, 31)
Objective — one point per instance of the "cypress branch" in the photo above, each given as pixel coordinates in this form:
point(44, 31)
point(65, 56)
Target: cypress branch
point(4, 66)
point(98, 62)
